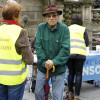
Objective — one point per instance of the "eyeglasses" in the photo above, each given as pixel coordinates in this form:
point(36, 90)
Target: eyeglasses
point(53, 15)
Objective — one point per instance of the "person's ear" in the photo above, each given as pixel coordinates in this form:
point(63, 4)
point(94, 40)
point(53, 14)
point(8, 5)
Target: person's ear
point(16, 19)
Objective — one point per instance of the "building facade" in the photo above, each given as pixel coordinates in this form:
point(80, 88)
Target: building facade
point(32, 10)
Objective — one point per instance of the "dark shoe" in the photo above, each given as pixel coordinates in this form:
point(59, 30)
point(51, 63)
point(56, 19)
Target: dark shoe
point(33, 85)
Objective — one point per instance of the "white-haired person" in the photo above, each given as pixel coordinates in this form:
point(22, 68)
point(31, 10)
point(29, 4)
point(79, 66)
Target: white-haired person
point(52, 48)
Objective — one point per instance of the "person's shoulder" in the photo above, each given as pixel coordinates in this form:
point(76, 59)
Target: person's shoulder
point(62, 24)
point(42, 24)
point(81, 27)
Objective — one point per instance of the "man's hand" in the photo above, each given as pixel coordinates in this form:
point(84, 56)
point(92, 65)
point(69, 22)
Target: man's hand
point(49, 64)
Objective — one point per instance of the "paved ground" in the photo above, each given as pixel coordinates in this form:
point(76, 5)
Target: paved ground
point(88, 92)
point(28, 96)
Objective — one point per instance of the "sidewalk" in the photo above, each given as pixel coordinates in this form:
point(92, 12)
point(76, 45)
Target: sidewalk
point(88, 92)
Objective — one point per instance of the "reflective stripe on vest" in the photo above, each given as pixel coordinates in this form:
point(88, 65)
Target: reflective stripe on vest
point(13, 70)
point(80, 47)
point(15, 62)
point(11, 73)
point(77, 40)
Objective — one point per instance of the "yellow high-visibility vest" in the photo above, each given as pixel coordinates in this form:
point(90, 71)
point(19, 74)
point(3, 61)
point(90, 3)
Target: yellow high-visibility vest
point(77, 42)
point(13, 70)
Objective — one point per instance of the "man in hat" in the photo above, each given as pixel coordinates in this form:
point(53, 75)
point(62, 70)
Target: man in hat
point(52, 49)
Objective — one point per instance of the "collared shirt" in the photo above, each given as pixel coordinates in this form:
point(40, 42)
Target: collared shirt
point(53, 44)
point(54, 29)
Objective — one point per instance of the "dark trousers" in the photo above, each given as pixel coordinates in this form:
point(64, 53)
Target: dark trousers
point(75, 67)
point(14, 92)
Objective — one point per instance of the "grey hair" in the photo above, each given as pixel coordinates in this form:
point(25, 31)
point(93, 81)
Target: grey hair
point(11, 1)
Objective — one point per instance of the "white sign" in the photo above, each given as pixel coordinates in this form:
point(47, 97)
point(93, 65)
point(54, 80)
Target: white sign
point(35, 58)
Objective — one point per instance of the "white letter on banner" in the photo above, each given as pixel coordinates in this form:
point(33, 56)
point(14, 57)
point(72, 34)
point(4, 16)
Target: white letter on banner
point(97, 69)
point(85, 71)
point(91, 70)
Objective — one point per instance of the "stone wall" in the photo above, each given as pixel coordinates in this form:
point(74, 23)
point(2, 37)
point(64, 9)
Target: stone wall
point(95, 25)
point(31, 14)
point(70, 8)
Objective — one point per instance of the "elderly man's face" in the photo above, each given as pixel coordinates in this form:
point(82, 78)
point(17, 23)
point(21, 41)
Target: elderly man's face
point(52, 19)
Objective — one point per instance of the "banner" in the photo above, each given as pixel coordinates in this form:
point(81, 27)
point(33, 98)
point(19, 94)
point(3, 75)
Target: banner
point(91, 68)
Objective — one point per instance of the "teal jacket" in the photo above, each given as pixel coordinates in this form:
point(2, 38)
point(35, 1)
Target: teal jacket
point(54, 45)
